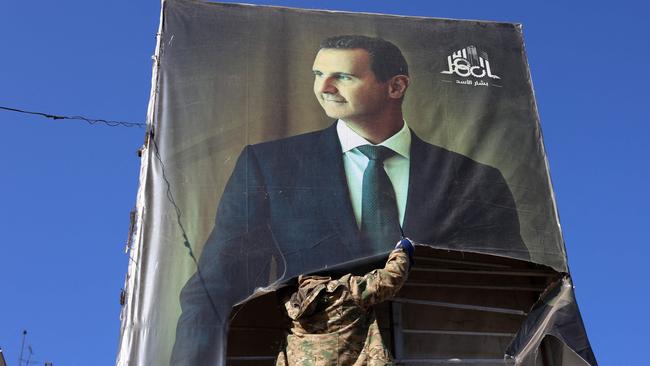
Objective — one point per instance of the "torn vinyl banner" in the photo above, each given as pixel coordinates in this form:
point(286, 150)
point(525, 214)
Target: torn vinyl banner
point(252, 175)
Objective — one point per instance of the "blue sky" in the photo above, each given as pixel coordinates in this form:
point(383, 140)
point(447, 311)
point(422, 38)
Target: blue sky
point(68, 187)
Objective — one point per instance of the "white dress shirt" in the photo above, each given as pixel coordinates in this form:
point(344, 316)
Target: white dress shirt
point(397, 166)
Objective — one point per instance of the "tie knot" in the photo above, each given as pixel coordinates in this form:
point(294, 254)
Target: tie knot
point(379, 153)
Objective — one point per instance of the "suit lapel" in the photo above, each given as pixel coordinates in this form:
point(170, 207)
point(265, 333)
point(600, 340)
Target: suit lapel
point(333, 195)
point(429, 181)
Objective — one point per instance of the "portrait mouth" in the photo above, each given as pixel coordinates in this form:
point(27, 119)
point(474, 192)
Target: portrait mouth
point(333, 100)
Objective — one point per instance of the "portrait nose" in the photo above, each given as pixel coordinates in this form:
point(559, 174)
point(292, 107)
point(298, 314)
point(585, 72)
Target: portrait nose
point(326, 85)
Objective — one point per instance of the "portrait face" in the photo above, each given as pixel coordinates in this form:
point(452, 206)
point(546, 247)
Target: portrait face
point(346, 87)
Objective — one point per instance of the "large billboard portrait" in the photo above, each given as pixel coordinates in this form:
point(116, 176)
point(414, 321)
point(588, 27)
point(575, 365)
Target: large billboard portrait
point(290, 148)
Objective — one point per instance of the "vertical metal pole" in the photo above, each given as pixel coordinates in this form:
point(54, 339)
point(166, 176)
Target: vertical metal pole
point(29, 358)
point(22, 348)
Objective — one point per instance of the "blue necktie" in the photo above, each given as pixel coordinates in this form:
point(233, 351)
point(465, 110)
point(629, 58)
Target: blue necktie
point(380, 228)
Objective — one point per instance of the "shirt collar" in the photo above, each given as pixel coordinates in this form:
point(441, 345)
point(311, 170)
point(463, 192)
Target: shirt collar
point(399, 142)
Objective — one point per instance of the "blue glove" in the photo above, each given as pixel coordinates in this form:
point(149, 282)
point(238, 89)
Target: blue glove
point(407, 246)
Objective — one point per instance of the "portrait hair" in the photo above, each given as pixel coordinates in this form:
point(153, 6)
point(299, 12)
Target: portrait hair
point(386, 59)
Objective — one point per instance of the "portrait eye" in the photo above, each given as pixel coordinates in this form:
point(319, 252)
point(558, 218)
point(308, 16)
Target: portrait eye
point(317, 73)
point(343, 77)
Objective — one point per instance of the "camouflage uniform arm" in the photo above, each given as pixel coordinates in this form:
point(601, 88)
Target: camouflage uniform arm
point(380, 284)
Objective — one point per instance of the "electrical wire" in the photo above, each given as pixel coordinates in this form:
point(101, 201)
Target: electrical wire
point(91, 121)
point(186, 240)
point(169, 194)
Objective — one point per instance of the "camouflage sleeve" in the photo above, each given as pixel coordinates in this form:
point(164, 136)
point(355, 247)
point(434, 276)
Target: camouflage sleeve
point(380, 284)
point(281, 360)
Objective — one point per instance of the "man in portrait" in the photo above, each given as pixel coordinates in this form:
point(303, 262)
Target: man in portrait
point(330, 196)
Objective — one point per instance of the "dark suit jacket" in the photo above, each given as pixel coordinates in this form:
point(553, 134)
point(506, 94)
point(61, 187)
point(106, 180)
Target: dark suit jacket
point(286, 210)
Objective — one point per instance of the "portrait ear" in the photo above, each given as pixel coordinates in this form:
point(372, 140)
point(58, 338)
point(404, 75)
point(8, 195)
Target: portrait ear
point(397, 86)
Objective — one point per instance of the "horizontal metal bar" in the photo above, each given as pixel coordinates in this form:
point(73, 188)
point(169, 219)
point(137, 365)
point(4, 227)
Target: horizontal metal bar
point(531, 273)
point(456, 361)
point(458, 332)
point(250, 358)
point(458, 261)
point(461, 306)
point(481, 287)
